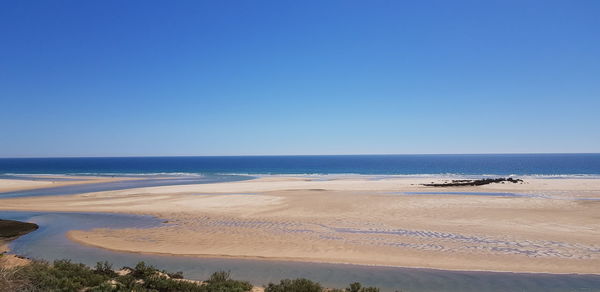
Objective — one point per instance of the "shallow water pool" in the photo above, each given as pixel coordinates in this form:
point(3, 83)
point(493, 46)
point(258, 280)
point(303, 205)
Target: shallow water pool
point(49, 243)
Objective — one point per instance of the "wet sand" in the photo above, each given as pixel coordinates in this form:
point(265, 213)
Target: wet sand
point(50, 181)
point(553, 227)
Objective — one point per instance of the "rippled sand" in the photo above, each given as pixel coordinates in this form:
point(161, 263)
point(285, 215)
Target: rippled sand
point(552, 226)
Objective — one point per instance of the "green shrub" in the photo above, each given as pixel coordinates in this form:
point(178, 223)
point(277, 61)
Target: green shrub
point(297, 285)
point(105, 268)
point(220, 276)
point(61, 276)
point(357, 287)
point(177, 275)
point(104, 287)
point(127, 282)
point(164, 284)
point(221, 282)
point(143, 271)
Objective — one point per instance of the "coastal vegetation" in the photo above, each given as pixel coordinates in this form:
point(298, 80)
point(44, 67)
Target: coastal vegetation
point(64, 275)
point(11, 228)
point(305, 285)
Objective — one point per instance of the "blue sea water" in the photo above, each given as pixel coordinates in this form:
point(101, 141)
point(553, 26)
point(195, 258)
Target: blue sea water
point(467, 164)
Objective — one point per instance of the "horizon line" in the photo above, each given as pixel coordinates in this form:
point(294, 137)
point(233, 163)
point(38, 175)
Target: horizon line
point(297, 155)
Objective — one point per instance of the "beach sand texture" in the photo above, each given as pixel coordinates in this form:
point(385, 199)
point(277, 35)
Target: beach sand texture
point(50, 181)
point(551, 225)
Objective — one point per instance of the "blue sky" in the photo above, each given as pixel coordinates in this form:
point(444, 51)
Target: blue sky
point(121, 78)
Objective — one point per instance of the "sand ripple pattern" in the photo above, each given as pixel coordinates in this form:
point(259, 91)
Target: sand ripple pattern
point(426, 240)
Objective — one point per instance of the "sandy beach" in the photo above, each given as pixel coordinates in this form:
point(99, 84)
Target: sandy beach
point(50, 181)
point(542, 225)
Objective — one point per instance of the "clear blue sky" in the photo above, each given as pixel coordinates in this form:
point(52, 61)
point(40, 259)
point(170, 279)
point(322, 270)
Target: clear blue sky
point(120, 78)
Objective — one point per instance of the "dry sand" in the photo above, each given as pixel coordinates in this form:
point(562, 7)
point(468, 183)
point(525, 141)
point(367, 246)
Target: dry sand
point(357, 219)
point(8, 261)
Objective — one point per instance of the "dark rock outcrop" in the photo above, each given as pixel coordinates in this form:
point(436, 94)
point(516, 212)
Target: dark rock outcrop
point(474, 182)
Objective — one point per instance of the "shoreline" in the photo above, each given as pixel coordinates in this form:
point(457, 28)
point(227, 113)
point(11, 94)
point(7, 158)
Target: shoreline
point(315, 261)
point(23, 184)
point(11, 230)
point(353, 221)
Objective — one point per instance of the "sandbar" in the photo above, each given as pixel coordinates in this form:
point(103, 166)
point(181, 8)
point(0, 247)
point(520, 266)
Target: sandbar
point(552, 226)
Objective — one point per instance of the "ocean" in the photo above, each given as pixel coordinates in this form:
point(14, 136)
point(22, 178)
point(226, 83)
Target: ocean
point(463, 164)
